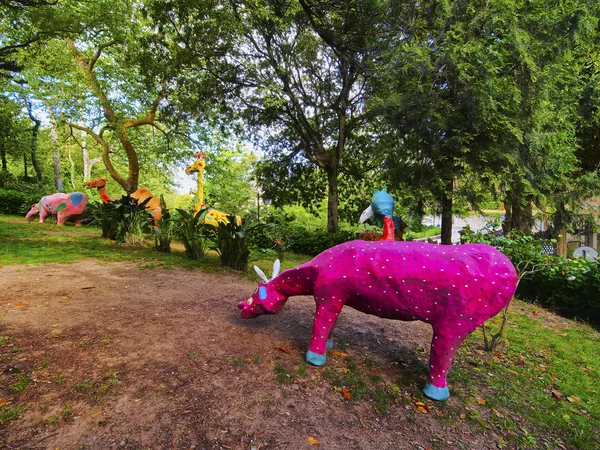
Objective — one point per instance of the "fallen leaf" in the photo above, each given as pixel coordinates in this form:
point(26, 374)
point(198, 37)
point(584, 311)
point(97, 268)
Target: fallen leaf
point(346, 393)
point(481, 401)
point(419, 404)
point(463, 415)
point(55, 325)
point(557, 396)
point(572, 398)
point(498, 413)
point(521, 362)
point(281, 349)
point(4, 403)
point(421, 409)
point(563, 334)
point(338, 353)
point(20, 304)
point(312, 441)
point(534, 313)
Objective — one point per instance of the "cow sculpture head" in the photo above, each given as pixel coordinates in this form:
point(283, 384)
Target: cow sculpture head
point(266, 299)
point(34, 211)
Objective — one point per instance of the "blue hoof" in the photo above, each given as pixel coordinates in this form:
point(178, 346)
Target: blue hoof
point(315, 359)
point(436, 393)
point(329, 344)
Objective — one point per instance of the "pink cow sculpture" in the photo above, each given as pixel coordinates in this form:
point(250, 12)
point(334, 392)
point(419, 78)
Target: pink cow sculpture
point(64, 206)
point(453, 288)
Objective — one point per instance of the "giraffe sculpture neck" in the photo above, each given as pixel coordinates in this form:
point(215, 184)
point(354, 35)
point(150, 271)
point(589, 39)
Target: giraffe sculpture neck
point(103, 195)
point(199, 199)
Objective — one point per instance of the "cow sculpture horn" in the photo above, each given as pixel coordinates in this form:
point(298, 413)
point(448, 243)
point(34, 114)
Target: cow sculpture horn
point(261, 274)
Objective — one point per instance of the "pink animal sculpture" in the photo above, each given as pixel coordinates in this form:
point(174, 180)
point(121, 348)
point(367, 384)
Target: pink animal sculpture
point(453, 288)
point(63, 206)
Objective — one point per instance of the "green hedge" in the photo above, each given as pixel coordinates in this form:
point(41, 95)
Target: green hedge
point(15, 202)
point(571, 287)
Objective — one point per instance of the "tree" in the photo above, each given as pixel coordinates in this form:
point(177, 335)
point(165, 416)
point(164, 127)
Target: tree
point(483, 89)
point(294, 70)
point(92, 65)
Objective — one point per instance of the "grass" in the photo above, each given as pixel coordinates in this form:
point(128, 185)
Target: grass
point(546, 378)
point(98, 390)
point(34, 244)
point(540, 390)
point(10, 413)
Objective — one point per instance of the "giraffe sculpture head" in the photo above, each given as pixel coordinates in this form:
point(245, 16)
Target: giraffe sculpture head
point(96, 183)
point(99, 183)
point(198, 165)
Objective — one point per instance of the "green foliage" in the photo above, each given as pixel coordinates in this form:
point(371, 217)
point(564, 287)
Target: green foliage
point(568, 286)
point(106, 216)
point(283, 235)
point(192, 233)
point(16, 202)
point(163, 231)
point(231, 242)
point(571, 287)
point(124, 220)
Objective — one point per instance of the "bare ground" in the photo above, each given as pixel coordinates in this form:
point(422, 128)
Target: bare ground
point(112, 356)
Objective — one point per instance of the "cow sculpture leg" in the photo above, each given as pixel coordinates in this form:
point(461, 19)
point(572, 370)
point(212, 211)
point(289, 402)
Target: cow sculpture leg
point(322, 335)
point(443, 347)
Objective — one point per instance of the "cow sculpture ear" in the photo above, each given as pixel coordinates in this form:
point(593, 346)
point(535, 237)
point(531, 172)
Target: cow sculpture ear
point(261, 274)
point(276, 268)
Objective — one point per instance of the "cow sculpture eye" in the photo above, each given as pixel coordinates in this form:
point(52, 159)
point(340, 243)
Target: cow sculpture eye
point(262, 293)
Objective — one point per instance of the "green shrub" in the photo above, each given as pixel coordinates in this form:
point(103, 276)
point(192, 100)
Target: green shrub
point(232, 243)
point(571, 287)
point(124, 220)
point(192, 233)
point(106, 216)
point(163, 231)
point(16, 202)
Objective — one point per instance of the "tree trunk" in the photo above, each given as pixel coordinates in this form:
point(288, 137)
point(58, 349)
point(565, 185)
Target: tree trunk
point(332, 197)
point(522, 216)
point(3, 156)
point(88, 163)
point(72, 170)
point(25, 176)
point(34, 135)
point(447, 219)
point(507, 223)
point(58, 182)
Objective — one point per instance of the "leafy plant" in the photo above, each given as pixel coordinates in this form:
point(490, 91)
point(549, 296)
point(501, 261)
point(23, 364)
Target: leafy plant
point(106, 216)
point(192, 232)
point(231, 242)
point(133, 220)
point(163, 231)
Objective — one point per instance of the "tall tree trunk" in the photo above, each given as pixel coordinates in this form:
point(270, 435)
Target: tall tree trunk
point(34, 136)
point(447, 218)
point(332, 197)
point(3, 156)
point(88, 163)
point(58, 182)
point(507, 223)
point(25, 176)
point(522, 216)
point(72, 169)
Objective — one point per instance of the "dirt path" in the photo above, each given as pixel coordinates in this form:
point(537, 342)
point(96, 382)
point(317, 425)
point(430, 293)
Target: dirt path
point(110, 356)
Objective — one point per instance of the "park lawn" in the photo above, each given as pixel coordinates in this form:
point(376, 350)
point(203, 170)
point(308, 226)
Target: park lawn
point(540, 390)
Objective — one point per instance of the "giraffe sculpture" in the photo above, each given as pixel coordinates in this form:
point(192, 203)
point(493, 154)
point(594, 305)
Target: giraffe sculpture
point(152, 207)
point(213, 216)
